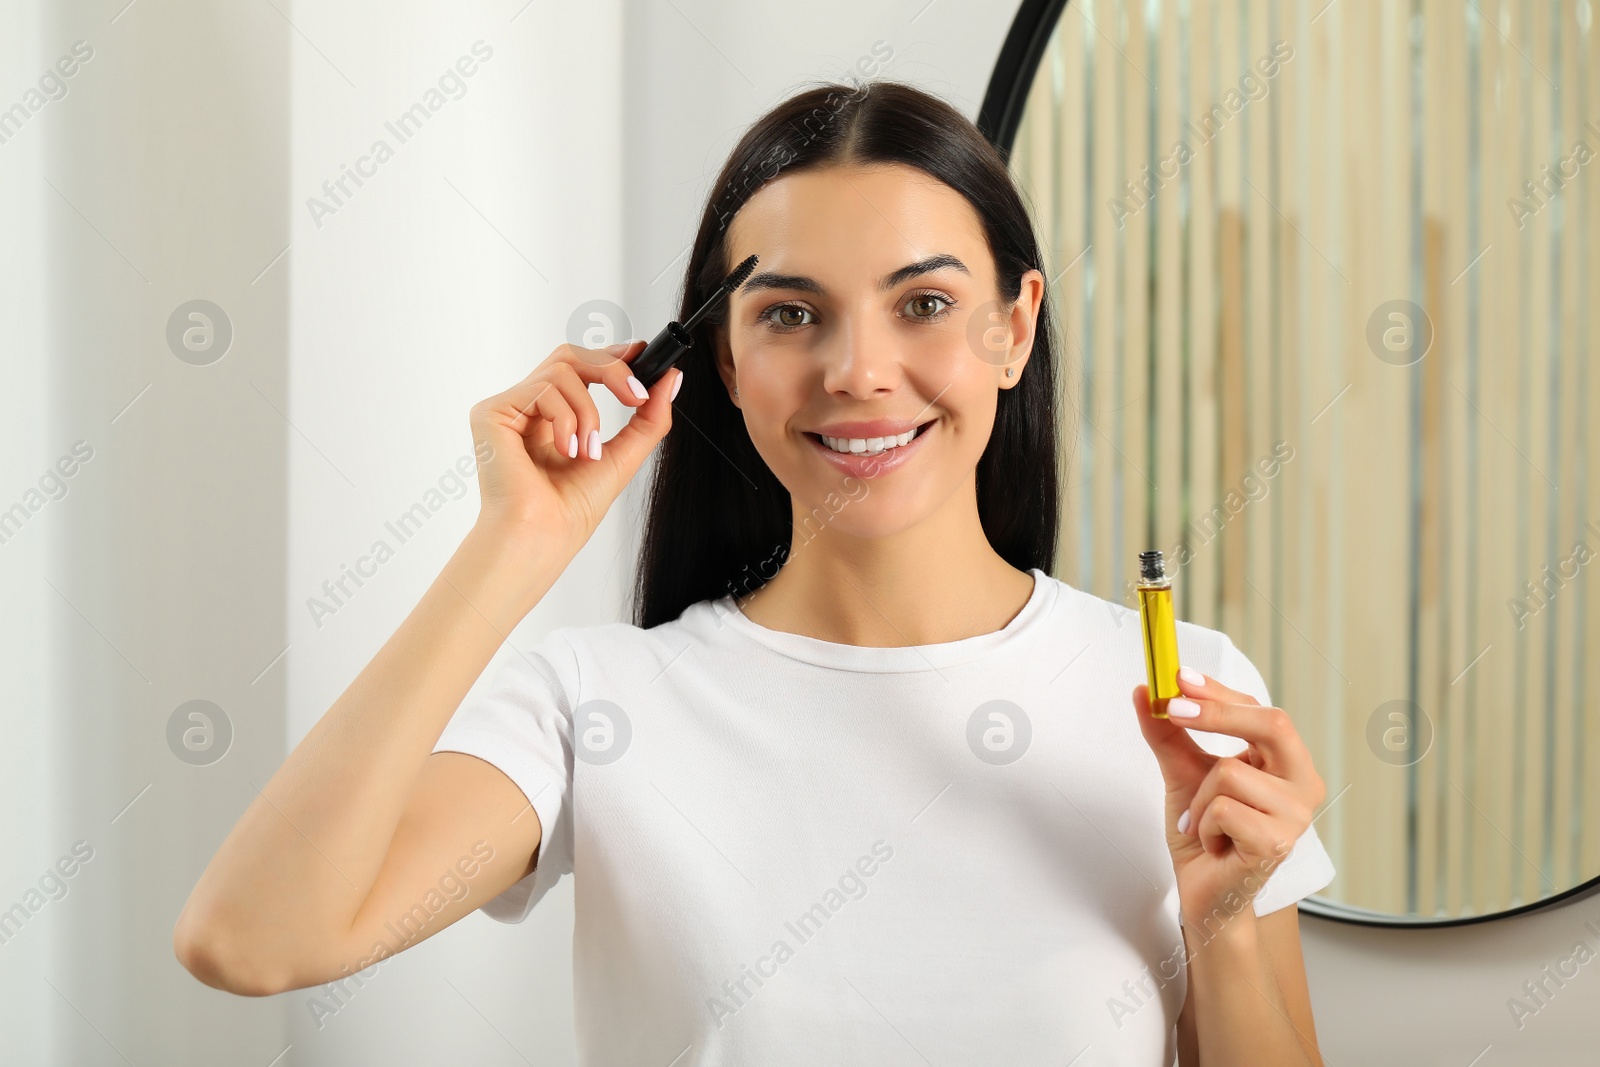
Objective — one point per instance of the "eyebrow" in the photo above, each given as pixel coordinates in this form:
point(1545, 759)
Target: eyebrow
point(771, 280)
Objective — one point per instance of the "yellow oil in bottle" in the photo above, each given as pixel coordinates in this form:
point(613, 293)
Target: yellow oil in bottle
point(1160, 632)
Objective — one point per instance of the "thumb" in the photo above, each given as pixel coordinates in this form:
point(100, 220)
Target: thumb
point(647, 425)
point(1182, 761)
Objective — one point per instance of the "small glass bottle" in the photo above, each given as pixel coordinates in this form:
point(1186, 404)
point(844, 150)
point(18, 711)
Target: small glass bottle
point(1160, 632)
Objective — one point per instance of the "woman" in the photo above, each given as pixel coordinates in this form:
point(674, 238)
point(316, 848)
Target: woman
point(864, 783)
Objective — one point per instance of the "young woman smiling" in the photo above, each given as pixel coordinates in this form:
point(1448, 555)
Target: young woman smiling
point(853, 663)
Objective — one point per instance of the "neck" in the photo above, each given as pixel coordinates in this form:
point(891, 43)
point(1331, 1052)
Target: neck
point(934, 582)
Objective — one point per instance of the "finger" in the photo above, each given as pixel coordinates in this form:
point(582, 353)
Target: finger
point(1232, 777)
point(1197, 684)
point(603, 366)
point(575, 391)
point(648, 424)
point(1255, 835)
point(1269, 729)
point(612, 369)
point(529, 400)
point(524, 405)
point(526, 410)
point(1183, 762)
point(1200, 686)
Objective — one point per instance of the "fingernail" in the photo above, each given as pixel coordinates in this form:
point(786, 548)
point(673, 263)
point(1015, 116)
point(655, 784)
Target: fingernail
point(572, 447)
point(1183, 822)
point(638, 388)
point(594, 444)
point(676, 386)
point(1192, 676)
point(1182, 708)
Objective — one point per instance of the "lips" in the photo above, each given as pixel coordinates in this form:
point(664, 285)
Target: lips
point(873, 465)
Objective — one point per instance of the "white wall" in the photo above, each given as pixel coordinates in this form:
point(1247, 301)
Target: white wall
point(180, 562)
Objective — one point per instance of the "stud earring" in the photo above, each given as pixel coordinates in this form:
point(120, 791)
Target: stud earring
point(736, 392)
point(1010, 371)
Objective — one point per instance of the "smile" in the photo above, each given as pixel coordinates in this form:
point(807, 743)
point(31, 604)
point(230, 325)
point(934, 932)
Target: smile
point(871, 456)
point(870, 446)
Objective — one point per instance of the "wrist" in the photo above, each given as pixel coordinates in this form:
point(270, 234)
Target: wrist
point(1223, 929)
point(503, 572)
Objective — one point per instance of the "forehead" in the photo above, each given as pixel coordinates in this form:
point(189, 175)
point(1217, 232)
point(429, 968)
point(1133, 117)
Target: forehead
point(857, 223)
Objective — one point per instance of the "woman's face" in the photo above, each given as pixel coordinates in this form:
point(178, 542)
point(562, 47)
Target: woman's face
point(873, 311)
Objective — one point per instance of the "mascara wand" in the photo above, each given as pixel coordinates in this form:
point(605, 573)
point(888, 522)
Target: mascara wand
point(677, 338)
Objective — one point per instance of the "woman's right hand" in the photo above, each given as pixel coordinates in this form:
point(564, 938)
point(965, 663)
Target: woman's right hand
point(541, 476)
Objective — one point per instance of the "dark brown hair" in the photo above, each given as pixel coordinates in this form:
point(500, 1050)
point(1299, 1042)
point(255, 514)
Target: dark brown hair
point(718, 521)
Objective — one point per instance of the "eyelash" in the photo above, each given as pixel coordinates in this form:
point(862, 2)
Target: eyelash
point(766, 316)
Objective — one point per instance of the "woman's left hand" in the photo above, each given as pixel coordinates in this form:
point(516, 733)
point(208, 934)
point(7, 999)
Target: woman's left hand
point(1239, 815)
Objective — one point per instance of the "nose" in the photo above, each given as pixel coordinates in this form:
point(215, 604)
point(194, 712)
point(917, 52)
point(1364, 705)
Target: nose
point(861, 358)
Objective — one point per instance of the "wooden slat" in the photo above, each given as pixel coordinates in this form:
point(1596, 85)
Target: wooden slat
point(1100, 406)
point(1066, 59)
point(1587, 755)
point(1315, 458)
point(1198, 594)
point(1231, 445)
point(1264, 221)
point(1433, 554)
point(1166, 466)
point(1130, 423)
point(1448, 167)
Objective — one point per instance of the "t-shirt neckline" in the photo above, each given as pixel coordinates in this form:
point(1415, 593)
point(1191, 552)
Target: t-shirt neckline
point(898, 660)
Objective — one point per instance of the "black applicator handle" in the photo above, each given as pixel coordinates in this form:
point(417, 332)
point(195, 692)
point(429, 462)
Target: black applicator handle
point(677, 338)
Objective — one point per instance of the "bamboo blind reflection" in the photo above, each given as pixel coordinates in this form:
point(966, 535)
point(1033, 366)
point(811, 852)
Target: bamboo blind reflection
point(1229, 314)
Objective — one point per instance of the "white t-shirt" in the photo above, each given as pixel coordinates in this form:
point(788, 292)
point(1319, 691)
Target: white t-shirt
point(791, 851)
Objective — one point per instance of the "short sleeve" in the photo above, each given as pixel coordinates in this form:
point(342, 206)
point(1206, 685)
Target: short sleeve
point(1308, 867)
point(522, 724)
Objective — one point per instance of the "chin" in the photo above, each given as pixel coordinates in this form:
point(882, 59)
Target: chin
point(859, 508)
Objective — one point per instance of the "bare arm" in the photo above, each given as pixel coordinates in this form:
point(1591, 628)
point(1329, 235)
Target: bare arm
point(363, 821)
point(280, 903)
point(1248, 995)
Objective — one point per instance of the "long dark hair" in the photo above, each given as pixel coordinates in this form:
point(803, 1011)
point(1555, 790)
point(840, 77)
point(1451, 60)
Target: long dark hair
point(718, 521)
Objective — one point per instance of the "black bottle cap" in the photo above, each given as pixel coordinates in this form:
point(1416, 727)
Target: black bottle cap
point(1152, 568)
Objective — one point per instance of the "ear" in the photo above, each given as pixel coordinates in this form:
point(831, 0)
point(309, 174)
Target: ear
point(723, 355)
point(1024, 321)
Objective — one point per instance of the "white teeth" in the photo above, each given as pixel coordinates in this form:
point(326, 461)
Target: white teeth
point(868, 445)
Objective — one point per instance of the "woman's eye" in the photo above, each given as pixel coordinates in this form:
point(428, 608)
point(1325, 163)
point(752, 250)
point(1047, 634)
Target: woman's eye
point(786, 316)
point(922, 305)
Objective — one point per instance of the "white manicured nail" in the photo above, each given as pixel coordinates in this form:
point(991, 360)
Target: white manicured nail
point(572, 447)
point(594, 444)
point(1183, 822)
point(638, 388)
point(676, 386)
point(1192, 676)
point(1182, 708)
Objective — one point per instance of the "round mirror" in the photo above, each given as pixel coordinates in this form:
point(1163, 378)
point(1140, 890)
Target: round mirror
point(1326, 276)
